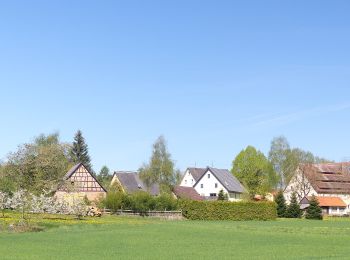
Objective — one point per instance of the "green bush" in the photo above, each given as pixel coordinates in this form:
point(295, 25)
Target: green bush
point(165, 202)
point(114, 201)
point(139, 202)
point(142, 202)
point(225, 210)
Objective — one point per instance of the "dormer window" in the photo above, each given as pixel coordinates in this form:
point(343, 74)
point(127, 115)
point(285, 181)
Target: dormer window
point(208, 176)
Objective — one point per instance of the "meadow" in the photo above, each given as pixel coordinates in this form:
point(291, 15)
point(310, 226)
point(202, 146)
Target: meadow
point(113, 237)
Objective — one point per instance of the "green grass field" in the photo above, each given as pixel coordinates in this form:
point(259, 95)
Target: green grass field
point(142, 238)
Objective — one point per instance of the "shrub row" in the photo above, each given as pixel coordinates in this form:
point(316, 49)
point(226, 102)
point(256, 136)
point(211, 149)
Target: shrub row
point(224, 210)
point(140, 202)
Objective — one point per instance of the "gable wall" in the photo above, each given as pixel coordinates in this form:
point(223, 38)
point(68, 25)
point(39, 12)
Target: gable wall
point(294, 183)
point(188, 180)
point(209, 185)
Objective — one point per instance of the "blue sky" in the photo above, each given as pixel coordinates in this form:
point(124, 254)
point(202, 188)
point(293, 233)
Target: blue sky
point(211, 76)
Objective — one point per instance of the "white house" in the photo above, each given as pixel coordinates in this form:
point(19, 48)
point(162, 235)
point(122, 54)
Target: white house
point(329, 182)
point(208, 182)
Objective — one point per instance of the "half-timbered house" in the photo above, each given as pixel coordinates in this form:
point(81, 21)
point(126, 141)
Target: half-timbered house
point(78, 181)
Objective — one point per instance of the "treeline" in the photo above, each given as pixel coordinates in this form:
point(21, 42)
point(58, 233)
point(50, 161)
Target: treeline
point(261, 174)
point(41, 164)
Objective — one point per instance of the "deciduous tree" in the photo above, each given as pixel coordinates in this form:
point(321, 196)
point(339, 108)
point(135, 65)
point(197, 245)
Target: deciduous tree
point(160, 168)
point(255, 172)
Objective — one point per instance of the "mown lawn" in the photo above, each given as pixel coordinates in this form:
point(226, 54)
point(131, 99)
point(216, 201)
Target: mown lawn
point(141, 238)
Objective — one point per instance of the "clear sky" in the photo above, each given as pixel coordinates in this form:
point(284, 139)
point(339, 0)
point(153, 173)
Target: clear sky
point(211, 76)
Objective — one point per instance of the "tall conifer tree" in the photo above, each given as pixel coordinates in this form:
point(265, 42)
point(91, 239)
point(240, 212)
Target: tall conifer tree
point(293, 210)
point(80, 151)
point(281, 205)
point(314, 211)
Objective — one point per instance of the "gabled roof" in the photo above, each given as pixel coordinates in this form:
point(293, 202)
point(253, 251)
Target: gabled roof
point(72, 171)
point(197, 173)
point(226, 178)
point(326, 201)
point(187, 193)
point(131, 182)
point(75, 168)
point(328, 178)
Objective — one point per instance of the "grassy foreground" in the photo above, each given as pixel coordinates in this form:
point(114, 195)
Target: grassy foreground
point(142, 238)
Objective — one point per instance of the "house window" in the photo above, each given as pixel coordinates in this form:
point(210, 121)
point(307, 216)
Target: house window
point(192, 181)
point(212, 194)
point(208, 176)
point(185, 181)
point(202, 185)
point(216, 185)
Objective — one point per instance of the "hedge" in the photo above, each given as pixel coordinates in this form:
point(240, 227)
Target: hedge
point(224, 210)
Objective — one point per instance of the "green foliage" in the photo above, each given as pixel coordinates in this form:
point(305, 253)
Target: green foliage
point(255, 172)
point(293, 209)
point(286, 160)
point(80, 151)
point(224, 210)
point(281, 204)
point(165, 202)
point(314, 210)
point(104, 176)
point(140, 202)
point(222, 195)
point(160, 168)
point(115, 201)
point(36, 166)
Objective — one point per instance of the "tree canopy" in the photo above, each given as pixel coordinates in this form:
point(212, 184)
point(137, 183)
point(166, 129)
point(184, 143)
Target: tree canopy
point(160, 168)
point(255, 172)
point(80, 151)
point(36, 166)
point(285, 160)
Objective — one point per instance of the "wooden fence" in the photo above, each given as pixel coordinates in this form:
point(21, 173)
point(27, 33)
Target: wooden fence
point(151, 213)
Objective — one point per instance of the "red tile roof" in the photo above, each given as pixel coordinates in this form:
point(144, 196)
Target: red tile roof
point(186, 193)
point(330, 201)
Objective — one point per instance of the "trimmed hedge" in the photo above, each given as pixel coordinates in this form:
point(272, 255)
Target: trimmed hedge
point(224, 210)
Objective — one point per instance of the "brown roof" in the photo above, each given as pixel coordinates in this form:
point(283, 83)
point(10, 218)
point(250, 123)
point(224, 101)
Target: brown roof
point(330, 201)
point(197, 173)
point(328, 178)
point(186, 193)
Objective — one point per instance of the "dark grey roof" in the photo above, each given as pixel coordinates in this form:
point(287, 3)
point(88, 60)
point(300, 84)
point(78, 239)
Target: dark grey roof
point(72, 171)
point(197, 173)
point(227, 179)
point(131, 182)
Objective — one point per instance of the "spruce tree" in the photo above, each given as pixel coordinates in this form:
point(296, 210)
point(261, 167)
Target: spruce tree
point(80, 151)
point(281, 205)
point(314, 210)
point(293, 209)
point(221, 195)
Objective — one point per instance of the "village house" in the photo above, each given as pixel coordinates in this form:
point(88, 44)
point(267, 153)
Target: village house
point(79, 182)
point(130, 182)
point(208, 182)
point(329, 182)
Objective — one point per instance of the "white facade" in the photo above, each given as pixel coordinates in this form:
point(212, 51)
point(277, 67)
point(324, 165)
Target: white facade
point(303, 186)
point(207, 186)
point(188, 180)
